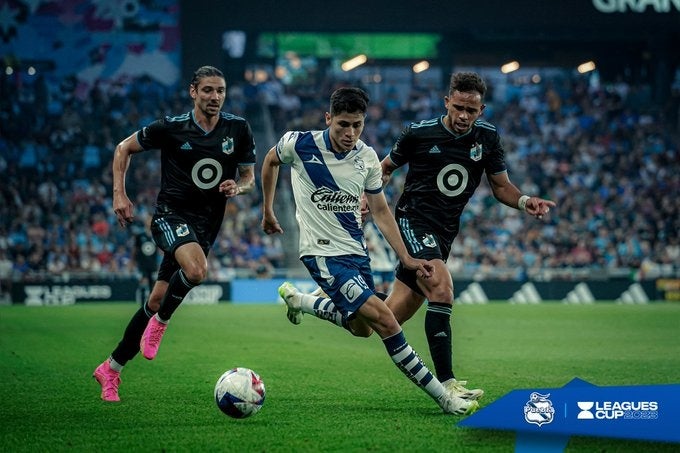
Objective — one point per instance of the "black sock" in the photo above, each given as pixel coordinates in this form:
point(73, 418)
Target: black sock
point(129, 344)
point(178, 287)
point(438, 333)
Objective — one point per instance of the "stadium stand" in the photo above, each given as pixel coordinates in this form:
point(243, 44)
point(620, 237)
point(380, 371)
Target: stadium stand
point(604, 153)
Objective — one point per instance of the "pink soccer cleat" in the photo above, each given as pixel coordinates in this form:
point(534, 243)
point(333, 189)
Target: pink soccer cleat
point(109, 380)
point(151, 338)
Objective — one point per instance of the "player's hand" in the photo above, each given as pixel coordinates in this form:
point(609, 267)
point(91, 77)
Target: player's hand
point(365, 210)
point(538, 207)
point(270, 224)
point(423, 268)
point(123, 208)
point(229, 188)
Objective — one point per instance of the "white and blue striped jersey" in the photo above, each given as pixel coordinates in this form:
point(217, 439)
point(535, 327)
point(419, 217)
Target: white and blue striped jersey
point(327, 187)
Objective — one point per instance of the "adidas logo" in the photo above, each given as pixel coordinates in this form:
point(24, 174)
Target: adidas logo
point(473, 294)
point(441, 335)
point(434, 150)
point(186, 145)
point(527, 294)
point(579, 295)
point(635, 294)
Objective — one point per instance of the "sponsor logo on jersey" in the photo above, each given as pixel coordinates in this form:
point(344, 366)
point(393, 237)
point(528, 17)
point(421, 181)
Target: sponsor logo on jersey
point(539, 409)
point(228, 145)
point(434, 150)
point(335, 201)
point(186, 146)
point(206, 173)
point(476, 152)
point(452, 180)
point(148, 248)
point(359, 163)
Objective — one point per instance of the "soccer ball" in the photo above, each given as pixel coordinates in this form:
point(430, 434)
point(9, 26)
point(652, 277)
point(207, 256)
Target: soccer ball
point(239, 392)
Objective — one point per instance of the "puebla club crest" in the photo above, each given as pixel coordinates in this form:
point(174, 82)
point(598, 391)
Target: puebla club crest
point(539, 409)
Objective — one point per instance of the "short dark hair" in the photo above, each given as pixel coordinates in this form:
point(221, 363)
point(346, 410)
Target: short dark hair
point(350, 100)
point(466, 82)
point(203, 72)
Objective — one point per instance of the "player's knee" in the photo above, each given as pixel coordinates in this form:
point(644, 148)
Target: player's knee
point(195, 273)
point(441, 293)
point(361, 330)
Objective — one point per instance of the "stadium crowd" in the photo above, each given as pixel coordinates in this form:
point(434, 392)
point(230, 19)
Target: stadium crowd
point(604, 152)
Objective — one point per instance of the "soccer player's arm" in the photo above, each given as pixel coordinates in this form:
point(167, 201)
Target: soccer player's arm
point(388, 163)
point(508, 194)
point(122, 206)
point(246, 179)
point(269, 177)
point(383, 218)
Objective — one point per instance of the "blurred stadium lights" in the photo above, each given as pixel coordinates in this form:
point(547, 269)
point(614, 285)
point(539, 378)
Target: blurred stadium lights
point(586, 67)
point(281, 72)
point(354, 62)
point(509, 67)
point(256, 75)
point(421, 66)
point(293, 59)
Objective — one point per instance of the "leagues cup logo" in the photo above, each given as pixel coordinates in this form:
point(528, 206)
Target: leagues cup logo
point(539, 409)
point(476, 152)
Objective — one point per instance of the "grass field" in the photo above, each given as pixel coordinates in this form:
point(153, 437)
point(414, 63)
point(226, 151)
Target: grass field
point(326, 391)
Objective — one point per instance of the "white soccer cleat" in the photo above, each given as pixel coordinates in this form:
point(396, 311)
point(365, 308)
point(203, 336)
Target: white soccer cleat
point(291, 296)
point(451, 404)
point(458, 389)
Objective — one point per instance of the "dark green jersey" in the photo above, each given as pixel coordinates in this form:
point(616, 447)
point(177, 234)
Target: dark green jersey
point(444, 170)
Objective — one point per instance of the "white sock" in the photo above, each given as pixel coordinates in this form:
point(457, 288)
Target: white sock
point(322, 308)
point(115, 366)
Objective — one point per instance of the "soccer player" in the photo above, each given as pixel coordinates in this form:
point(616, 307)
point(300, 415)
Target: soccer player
point(381, 255)
point(446, 158)
point(207, 157)
point(146, 257)
point(331, 169)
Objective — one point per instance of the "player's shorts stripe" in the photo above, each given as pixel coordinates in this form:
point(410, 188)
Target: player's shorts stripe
point(410, 236)
point(167, 231)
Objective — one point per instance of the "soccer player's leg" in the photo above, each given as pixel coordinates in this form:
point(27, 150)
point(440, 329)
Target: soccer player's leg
point(108, 372)
point(184, 266)
point(379, 317)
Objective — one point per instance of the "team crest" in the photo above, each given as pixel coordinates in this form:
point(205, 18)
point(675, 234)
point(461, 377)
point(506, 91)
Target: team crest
point(228, 145)
point(476, 151)
point(429, 241)
point(539, 409)
point(182, 230)
point(359, 163)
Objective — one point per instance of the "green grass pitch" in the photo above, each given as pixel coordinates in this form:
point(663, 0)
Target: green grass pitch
point(326, 391)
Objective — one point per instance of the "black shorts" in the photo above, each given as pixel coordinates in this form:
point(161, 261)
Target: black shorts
point(169, 231)
point(421, 242)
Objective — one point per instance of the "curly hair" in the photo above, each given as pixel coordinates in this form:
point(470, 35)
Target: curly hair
point(466, 82)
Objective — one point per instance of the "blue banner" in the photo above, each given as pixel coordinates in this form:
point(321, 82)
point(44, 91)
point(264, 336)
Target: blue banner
point(545, 418)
